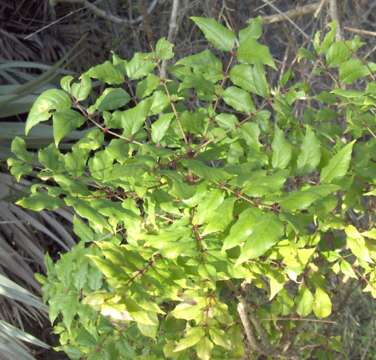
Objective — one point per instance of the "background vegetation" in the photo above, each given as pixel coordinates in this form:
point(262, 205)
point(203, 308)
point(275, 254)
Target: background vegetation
point(39, 43)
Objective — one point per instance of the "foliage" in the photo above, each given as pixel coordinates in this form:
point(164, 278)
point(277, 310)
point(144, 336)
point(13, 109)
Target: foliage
point(211, 204)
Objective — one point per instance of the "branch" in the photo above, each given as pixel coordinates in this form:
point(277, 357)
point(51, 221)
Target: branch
point(333, 11)
point(288, 18)
point(172, 30)
point(252, 341)
point(291, 14)
point(360, 31)
point(309, 9)
point(108, 16)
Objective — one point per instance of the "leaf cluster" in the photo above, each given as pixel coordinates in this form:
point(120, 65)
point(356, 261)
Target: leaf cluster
point(207, 190)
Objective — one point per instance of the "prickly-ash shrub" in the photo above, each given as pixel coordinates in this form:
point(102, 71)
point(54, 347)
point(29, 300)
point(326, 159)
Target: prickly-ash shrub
point(220, 215)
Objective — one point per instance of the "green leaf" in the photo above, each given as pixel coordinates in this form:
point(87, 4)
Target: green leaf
point(200, 169)
point(304, 302)
point(193, 336)
point(150, 331)
point(65, 83)
point(262, 234)
point(108, 269)
point(160, 127)
point(220, 338)
point(303, 199)
point(238, 99)
point(227, 121)
point(133, 119)
point(282, 150)
point(187, 311)
point(207, 206)
point(69, 308)
point(347, 269)
point(75, 161)
point(251, 51)
point(240, 231)
point(18, 148)
point(218, 35)
point(84, 232)
point(259, 183)
point(82, 90)
point(107, 73)
point(338, 53)
point(258, 230)
point(159, 101)
point(322, 305)
point(164, 49)
point(50, 157)
point(111, 99)
point(86, 211)
point(221, 218)
point(357, 244)
point(251, 78)
point(139, 66)
point(64, 122)
point(204, 349)
point(147, 86)
point(92, 140)
point(18, 168)
point(40, 201)
point(205, 63)
point(310, 153)
point(352, 70)
point(338, 165)
point(100, 165)
point(49, 100)
point(253, 30)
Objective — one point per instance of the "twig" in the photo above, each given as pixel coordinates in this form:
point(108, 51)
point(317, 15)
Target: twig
point(369, 53)
point(286, 16)
point(108, 16)
point(318, 10)
point(53, 23)
point(299, 319)
point(242, 311)
point(333, 11)
point(172, 30)
point(290, 14)
point(360, 31)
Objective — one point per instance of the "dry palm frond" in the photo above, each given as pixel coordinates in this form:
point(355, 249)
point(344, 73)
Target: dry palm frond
point(24, 238)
